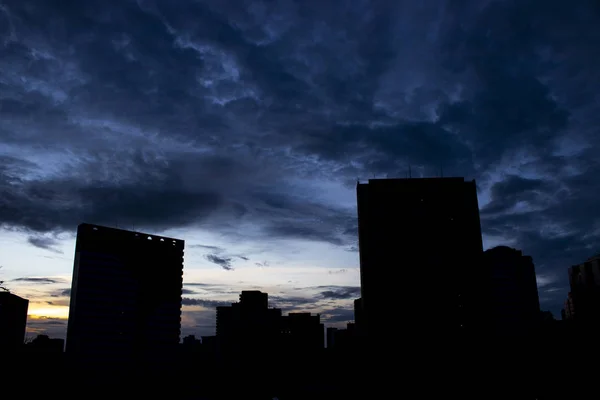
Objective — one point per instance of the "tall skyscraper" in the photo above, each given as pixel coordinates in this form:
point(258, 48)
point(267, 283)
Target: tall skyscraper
point(125, 298)
point(420, 254)
point(13, 321)
point(515, 305)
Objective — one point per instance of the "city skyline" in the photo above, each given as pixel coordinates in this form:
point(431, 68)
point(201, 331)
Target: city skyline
point(243, 130)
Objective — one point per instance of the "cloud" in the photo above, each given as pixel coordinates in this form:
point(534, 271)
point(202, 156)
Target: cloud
point(292, 303)
point(40, 280)
point(206, 247)
point(341, 293)
point(338, 315)
point(337, 272)
point(186, 301)
point(223, 262)
point(200, 284)
point(45, 243)
point(50, 321)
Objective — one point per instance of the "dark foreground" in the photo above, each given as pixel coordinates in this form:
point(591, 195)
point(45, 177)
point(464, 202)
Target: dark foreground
point(547, 369)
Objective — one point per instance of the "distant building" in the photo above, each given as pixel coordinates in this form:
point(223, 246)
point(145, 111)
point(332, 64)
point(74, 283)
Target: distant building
point(125, 298)
point(584, 280)
point(331, 331)
point(358, 313)
point(515, 305)
point(342, 339)
point(191, 341)
point(303, 332)
point(248, 327)
point(420, 250)
point(13, 321)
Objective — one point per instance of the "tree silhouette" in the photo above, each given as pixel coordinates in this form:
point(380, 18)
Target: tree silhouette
point(2, 287)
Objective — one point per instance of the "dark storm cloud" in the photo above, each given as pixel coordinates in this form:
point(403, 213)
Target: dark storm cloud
point(223, 262)
point(506, 194)
point(214, 113)
point(39, 280)
point(206, 247)
point(45, 243)
point(62, 293)
point(341, 293)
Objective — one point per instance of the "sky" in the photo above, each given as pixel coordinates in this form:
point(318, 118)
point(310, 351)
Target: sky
point(242, 127)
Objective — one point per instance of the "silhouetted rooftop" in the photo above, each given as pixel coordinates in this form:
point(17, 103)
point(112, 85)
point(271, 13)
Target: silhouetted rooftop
point(412, 180)
point(118, 231)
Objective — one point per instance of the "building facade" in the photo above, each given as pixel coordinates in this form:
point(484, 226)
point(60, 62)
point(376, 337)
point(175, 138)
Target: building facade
point(584, 280)
point(515, 305)
point(568, 312)
point(303, 332)
point(13, 321)
point(248, 327)
point(420, 252)
point(125, 298)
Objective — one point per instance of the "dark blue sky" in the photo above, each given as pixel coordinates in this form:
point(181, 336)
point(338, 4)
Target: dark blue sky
point(242, 126)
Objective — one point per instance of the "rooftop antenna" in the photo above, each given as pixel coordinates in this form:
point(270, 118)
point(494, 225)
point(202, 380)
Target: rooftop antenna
point(409, 172)
point(441, 170)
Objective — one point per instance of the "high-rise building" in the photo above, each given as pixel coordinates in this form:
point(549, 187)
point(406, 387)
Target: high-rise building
point(515, 305)
point(125, 298)
point(13, 321)
point(584, 280)
point(420, 258)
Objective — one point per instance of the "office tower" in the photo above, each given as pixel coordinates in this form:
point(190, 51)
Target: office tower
point(584, 280)
point(13, 321)
point(125, 298)
point(515, 306)
point(420, 252)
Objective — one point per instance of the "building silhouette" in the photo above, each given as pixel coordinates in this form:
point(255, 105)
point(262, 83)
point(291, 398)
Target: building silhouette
point(251, 330)
point(420, 260)
point(302, 332)
point(13, 321)
point(515, 306)
point(342, 340)
point(584, 299)
point(249, 327)
point(125, 298)
point(568, 312)
point(45, 344)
